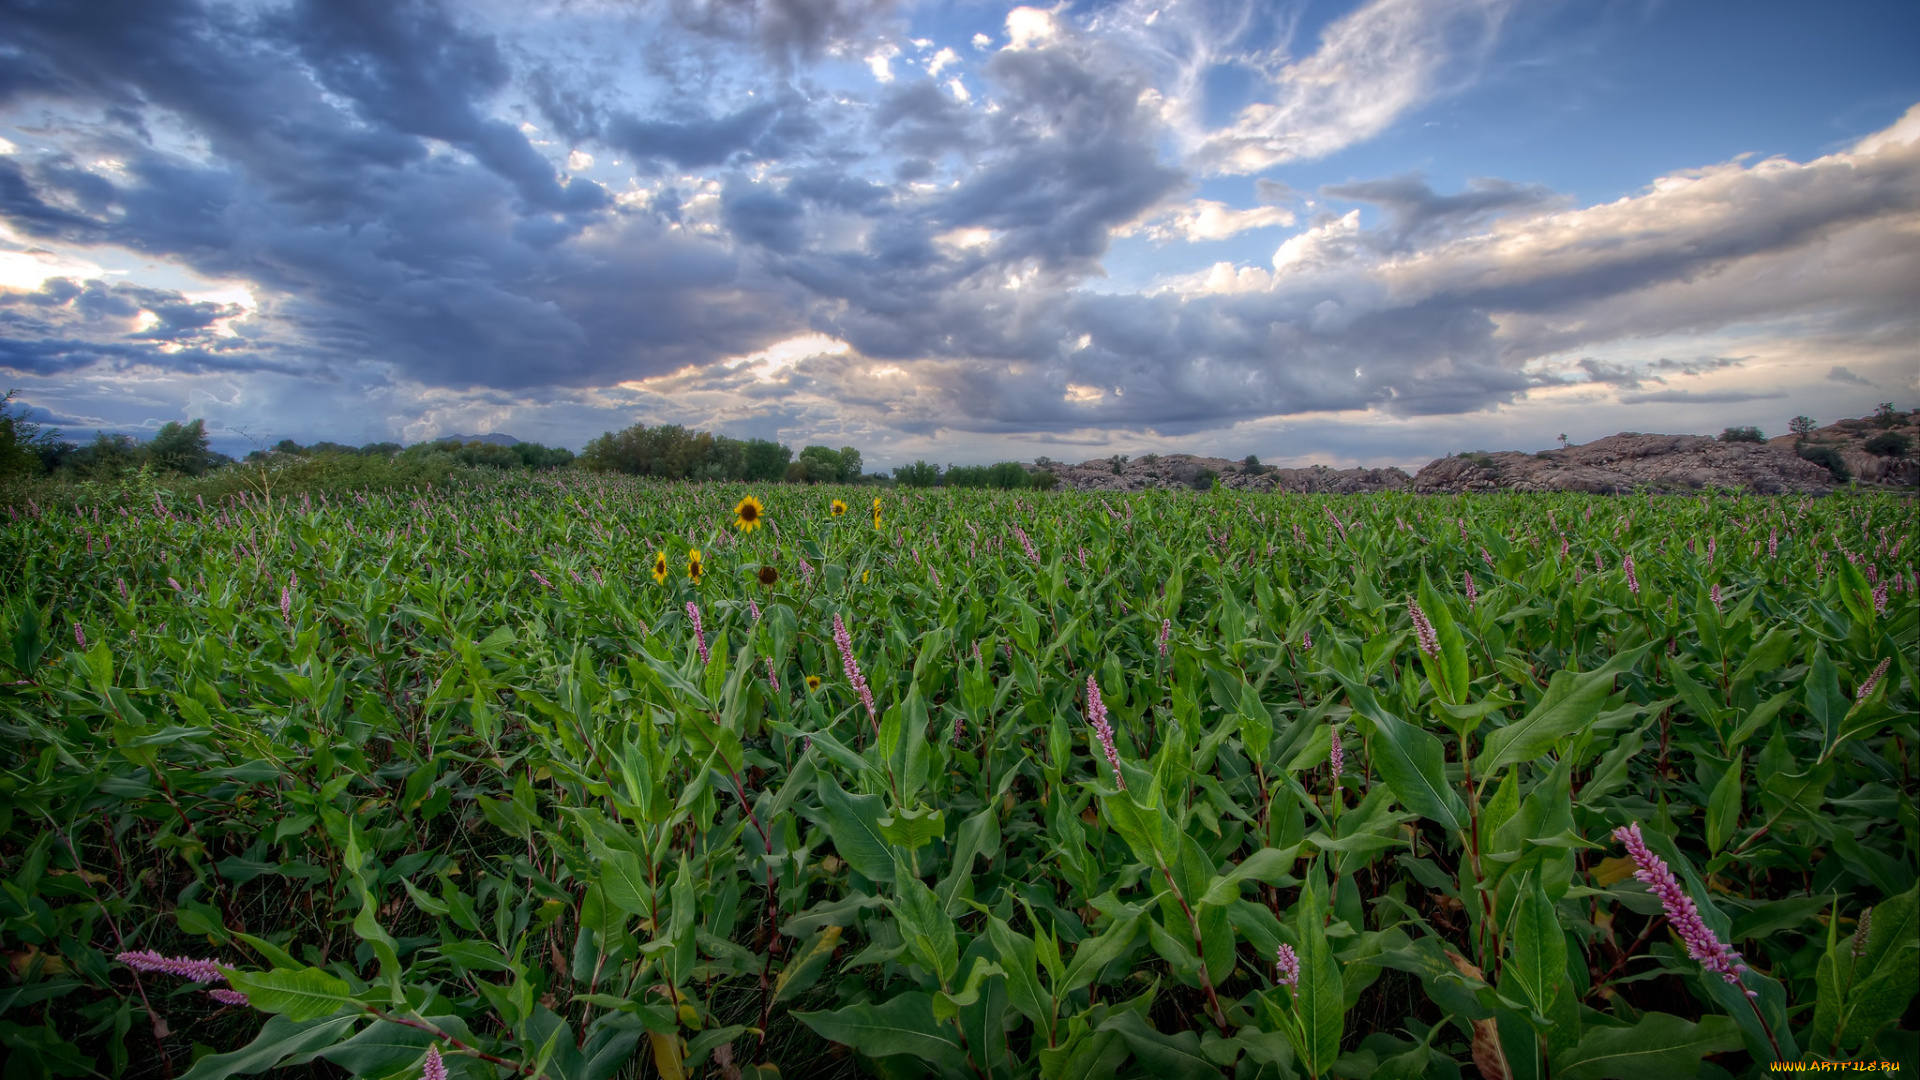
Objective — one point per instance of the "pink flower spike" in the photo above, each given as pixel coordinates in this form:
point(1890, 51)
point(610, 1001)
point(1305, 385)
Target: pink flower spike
point(1166, 631)
point(1097, 718)
point(1702, 944)
point(433, 1068)
point(1423, 630)
point(228, 997)
point(200, 971)
point(1337, 754)
point(1286, 966)
point(844, 640)
point(699, 632)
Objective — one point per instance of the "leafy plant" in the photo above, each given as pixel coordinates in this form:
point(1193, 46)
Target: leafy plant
point(987, 785)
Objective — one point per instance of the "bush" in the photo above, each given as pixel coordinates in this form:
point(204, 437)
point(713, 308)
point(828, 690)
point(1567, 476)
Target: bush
point(1045, 480)
point(1203, 480)
point(920, 474)
point(1801, 426)
point(1889, 444)
point(1822, 454)
point(1742, 434)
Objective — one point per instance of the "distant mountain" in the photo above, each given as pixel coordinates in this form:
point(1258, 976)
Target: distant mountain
point(496, 439)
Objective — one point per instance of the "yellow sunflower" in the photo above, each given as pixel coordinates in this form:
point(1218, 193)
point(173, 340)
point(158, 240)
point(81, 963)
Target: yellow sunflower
point(813, 683)
point(695, 566)
point(748, 515)
point(660, 567)
point(876, 511)
point(837, 508)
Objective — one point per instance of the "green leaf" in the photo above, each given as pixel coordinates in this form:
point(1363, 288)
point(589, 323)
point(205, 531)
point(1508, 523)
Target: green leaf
point(903, 1024)
point(280, 1038)
point(1320, 998)
point(1723, 807)
point(1571, 702)
point(1539, 947)
point(1095, 954)
point(1165, 1057)
point(1659, 1047)
point(304, 994)
point(1017, 960)
point(1268, 864)
point(1411, 761)
point(804, 967)
point(622, 878)
point(854, 823)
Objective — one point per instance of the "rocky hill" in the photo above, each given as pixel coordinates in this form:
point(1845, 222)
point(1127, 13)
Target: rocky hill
point(1631, 462)
point(1121, 473)
point(1883, 450)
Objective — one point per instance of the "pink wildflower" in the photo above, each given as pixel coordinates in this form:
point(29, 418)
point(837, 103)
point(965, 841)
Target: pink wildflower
point(200, 971)
point(1423, 630)
point(844, 640)
point(1337, 754)
point(1473, 594)
point(1026, 543)
point(1702, 944)
point(79, 636)
point(773, 677)
point(227, 997)
point(699, 631)
point(1633, 581)
point(1286, 966)
point(1097, 718)
point(286, 603)
point(433, 1068)
point(1166, 631)
point(1873, 681)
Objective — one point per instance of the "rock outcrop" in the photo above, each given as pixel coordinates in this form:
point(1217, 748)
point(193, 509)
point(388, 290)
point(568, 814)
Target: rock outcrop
point(1187, 471)
point(1631, 462)
point(1880, 450)
point(1852, 440)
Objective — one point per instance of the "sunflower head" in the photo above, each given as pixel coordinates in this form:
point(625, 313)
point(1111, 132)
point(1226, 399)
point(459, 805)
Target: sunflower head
point(837, 508)
point(748, 515)
point(660, 567)
point(876, 512)
point(813, 682)
point(768, 575)
point(695, 565)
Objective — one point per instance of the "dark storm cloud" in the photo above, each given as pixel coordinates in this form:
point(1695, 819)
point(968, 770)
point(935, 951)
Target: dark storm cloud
point(472, 268)
point(1415, 211)
point(789, 32)
point(353, 163)
point(1698, 397)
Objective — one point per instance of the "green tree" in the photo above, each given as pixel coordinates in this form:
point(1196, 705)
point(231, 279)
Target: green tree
point(26, 448)
point(823, 465)
point(1801, 426)
point(920, 474)
point(766, 460)
point(181, 448)
point(850, 464)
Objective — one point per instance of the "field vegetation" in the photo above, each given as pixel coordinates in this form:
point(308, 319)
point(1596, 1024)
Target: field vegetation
point(578, 775)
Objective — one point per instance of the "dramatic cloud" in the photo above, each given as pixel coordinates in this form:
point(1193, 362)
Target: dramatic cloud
point(830, 220)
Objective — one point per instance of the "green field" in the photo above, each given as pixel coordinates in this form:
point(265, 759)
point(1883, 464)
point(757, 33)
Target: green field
point(443, 770)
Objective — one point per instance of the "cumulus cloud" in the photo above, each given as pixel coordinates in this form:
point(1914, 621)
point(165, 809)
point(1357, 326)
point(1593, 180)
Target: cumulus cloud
point(1372, 67)
point(401, 192)
point(1840, 374)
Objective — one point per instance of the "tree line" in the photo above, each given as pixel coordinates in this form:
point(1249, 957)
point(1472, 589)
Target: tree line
point(672, 452)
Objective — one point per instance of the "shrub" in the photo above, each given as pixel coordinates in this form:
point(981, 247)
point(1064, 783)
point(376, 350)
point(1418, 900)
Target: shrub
point(1801, 426)
point(1742, 434)
point(1045, 480)
point(1203, 480)
point(1822, 454)
point(1889, 444)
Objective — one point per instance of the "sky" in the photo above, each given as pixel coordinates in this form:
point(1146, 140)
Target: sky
point(1347, 233)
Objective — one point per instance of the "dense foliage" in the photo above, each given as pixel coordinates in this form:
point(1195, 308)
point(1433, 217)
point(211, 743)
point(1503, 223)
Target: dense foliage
point(1166, 785)
point(672, 452)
